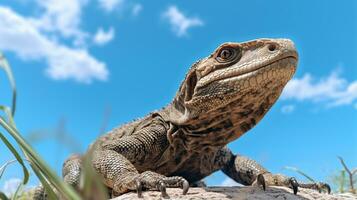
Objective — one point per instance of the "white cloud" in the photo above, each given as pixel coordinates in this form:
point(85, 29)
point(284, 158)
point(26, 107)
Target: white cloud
point(179, 22)
point(137, 8)
point(229, 182)
point(110, 5)
point(63, 17)
point(10, 186)
point(24, 37)
point(65, 63)
point(332, 90)
point(102, 37)
point(286, 109)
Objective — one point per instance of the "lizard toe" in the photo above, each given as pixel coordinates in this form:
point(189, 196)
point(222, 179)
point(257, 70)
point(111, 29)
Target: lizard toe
point(320, 186)
point(153, 180)
point(326, 187)
point(268, 179)
point(162, 188)
point(185, 187)
point(294, 185)
point(261, 181)
point(139, 189)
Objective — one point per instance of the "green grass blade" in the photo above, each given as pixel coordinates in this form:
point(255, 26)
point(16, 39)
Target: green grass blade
point(6, 67)
point(49, 190)
point(3, 196)
point(92, 186)
point(17, 156)
point(344, 165)
point(354, 171)
point(8, 114)
point(2, 170)
point(4, 166)
point(62, 187)
point(38, 165)
point(300, 172)
point(18, 189)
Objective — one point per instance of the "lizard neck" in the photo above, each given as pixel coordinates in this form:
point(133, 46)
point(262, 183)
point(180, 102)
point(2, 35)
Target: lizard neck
point(213, 130)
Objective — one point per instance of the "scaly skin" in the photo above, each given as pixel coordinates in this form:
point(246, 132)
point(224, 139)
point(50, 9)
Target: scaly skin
point(222, 97)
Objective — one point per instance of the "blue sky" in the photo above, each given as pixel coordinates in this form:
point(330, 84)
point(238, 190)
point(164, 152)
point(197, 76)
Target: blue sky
point(75, 59)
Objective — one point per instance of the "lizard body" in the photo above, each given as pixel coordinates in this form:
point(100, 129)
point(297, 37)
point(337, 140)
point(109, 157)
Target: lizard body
point(222, 97)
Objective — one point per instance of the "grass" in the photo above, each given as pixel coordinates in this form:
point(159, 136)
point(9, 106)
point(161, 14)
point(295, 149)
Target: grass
point(46, 175)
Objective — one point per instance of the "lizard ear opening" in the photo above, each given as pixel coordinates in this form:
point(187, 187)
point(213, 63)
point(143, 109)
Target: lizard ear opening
point(190, 86)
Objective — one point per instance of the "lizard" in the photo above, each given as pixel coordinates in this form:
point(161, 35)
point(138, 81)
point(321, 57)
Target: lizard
point(221, 98)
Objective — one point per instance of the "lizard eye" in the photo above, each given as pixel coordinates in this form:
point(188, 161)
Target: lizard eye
point(226, 54)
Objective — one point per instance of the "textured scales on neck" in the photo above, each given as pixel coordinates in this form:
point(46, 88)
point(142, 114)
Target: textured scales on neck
point(227, 93)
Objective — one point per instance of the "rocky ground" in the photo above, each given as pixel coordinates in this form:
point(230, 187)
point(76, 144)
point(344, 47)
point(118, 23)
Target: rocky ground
point(238, 193)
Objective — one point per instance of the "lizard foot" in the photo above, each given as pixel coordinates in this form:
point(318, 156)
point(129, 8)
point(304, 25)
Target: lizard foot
point(152, 180)
point(320, 186)
point(268, 179)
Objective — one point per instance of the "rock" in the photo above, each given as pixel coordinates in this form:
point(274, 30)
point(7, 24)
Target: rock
point(238, 193)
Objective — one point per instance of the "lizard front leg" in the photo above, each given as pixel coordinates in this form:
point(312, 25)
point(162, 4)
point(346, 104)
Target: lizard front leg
point(122, 176)
point(71, 175)
point(116, 159)
point(248, 172)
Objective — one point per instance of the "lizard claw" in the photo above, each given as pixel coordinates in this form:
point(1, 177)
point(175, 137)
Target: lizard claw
point(294, 184)
point(323, 186)
point(185, 187)
point(162, 188)
point(327, 187)
point(139, 189)
point(261, 181)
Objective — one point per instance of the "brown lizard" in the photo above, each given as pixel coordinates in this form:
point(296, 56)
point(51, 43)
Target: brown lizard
point(222, 97)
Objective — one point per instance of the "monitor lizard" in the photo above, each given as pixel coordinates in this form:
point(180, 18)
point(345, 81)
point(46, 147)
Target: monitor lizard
point(222, 97)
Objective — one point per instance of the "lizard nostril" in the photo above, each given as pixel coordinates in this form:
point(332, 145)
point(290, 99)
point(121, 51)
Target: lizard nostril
point(272, 47)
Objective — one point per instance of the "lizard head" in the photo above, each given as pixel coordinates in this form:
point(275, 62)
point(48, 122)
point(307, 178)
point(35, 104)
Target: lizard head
point(235, 76)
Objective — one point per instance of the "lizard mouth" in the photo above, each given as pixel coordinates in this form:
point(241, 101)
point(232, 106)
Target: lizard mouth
point(237, 71)
point(290, 60)
point(237, 74)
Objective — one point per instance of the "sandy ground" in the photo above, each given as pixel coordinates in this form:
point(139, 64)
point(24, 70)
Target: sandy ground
point(238, 193)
